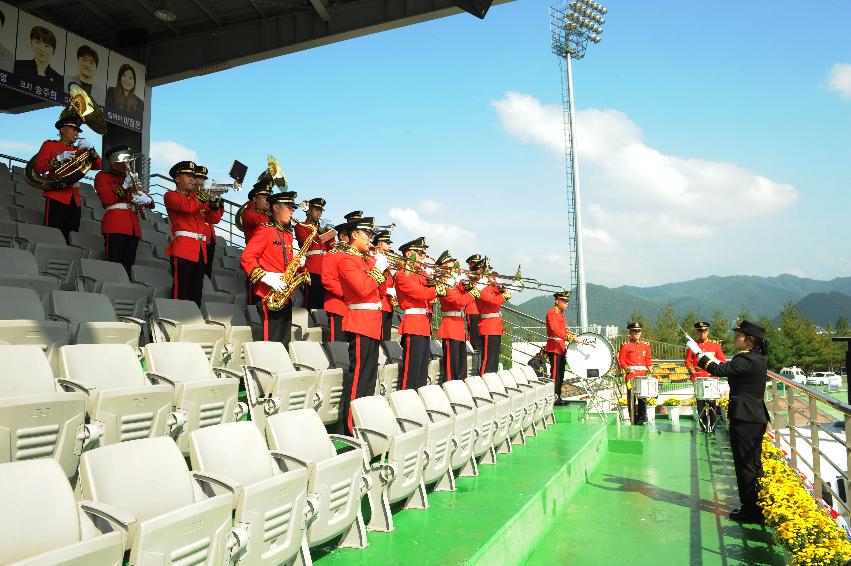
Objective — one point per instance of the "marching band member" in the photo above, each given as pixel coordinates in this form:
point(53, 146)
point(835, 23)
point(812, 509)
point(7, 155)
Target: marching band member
point(381, 241)
point(62, 206)
point(315, 292)
point(353, 215)
point(452, 331)
point(711, 347)
point(265, 259)
point(123, 202)
point(257, 212)
point(473, 311)
point(212, 214)
point(186, 208)
point(635, 361)
point(491, 296)
point(557, 337)
point(746, 374)
point(334, 304)
point(414, 294)
point(360, 278)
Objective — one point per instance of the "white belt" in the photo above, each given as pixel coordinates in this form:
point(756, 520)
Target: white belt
point(638, 368)
point(315, 252)
point(193, 235)
point(555, 338)
point(118, 206)
point(365, 307)
point(491, 315)
point(416, 311)
point(453, 313)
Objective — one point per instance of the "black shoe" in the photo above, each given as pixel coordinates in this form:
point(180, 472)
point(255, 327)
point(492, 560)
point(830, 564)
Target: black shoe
point(747, 516)
point(560, 403)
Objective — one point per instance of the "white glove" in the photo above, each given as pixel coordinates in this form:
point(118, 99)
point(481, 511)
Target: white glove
point(302, 261)
point(142, 199)
point(429, 271)
point(66, 155)
point(83, 143)
point(128, 182)
point(391, 291)
point(273, 280)
point(695, 349)
point(381, 262)
point(480, 287)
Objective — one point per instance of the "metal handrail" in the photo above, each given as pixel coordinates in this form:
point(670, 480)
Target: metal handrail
point(784, 415)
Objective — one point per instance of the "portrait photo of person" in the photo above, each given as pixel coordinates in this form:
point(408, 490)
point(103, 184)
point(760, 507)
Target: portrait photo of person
point(126, 84)
point(40, 56)
point(8, 31)
point(85, 64)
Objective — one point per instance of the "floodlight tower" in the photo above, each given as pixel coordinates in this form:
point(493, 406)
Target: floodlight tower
point(572, 26)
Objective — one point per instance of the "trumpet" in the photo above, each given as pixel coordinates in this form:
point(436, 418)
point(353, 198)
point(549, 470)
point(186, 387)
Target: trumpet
point(386, 227)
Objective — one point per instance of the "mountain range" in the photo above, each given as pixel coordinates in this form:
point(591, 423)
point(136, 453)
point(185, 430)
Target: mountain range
point(820, 301)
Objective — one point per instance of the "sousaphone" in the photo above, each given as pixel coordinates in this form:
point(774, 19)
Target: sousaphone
point(273, 175)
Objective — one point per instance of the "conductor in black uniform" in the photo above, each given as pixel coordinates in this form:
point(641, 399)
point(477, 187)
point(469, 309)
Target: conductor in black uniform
point(746, 374)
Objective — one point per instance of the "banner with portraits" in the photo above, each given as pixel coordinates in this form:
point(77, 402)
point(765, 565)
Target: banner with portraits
point(40, 59)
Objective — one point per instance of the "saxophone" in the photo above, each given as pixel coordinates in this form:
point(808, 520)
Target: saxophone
point(275, 300)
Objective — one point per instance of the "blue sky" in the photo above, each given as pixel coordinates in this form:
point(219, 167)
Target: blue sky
point(713, 142)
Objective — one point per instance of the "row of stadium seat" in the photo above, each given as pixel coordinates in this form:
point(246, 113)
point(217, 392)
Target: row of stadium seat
point(261, 501)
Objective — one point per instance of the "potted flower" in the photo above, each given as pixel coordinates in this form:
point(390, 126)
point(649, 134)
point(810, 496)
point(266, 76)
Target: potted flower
point(672, 404)
point(651, 410)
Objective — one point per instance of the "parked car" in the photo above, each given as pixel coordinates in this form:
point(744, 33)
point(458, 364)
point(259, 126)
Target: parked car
point(794, 373)
point(825, 378)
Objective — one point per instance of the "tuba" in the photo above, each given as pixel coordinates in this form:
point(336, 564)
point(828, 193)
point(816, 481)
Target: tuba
point(66, 173)
point(275, 300)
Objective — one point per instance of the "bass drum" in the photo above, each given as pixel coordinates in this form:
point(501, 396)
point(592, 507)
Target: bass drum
point(581, 358)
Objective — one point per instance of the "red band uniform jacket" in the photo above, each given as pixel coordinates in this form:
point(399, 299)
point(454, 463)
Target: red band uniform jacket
point(252, 219)
point(49, 150)
point(413, 293)
point(317, 250)
point(557, 333)
point(269, 251)
point(490, 298)
point(389, 283)
point(109, 188)
point(634, 354)
point(186, 213)
point(213, 212)
point(708, 346)
point(359, 287)
point(334, 302)
point(454, 327)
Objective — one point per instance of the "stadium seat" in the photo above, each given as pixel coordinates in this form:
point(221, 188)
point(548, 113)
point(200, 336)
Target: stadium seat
point(529, 399)
point(482, 396)
point(109, 278)
point(28, 216)
point(230, 263)
point(160, 506)
point(433, 372)
point(548, 394)
point(462, 402)
point(435, 349)
point(336, 480)
point(157, 240)
point(30, 201)
point(119, 396)
point(233, 285)
point(439, 408)
point(231, 317)
point(89, 226)
point(23, 322)
point(499, 390)
point(309, 355)
point(411, 414)
point(4, 212)
point(91, 245)
point(210, 294)
point(8, 233)
point(147, 256)
point(156, 281)
point(38, 419)
point(301, 322)
point(388, 375)
point(270, 500)
point(161, 226)
point(174, 320)
point(21, 270)
point(273, 383)
point(97, 214)
point(403, 452)
point(53, 255)
point(338, 356)
point(319, 319)
point(393, 351)
point(206, 395)
point(42, 524)
point(91, 319)
point(537, 392)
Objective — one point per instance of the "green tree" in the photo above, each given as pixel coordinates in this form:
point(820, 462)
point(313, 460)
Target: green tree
point(689, 321)
point(638, 316)
point(721, 330)
point(799, 342)
point(666, 329)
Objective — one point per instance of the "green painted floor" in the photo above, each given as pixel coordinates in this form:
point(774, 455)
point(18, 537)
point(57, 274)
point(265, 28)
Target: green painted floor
point(459, 524)
point(666, 506)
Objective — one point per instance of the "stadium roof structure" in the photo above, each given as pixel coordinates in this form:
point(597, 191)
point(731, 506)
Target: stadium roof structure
point(206, 36)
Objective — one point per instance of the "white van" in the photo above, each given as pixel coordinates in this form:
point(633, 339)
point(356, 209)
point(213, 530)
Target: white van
point(794, 373)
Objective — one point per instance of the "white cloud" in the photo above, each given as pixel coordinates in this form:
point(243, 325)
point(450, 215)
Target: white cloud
point(166, 153)
point(642, 207)
point(439, 235)
point(17, 148)
point(429, 206)
point(839, 80)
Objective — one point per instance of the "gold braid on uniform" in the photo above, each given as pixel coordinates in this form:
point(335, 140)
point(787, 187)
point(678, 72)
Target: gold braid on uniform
point(440, 290)
point(377, 275)
point(256, 275)
point(475, 293)
point(506, 294)
point(704, 362)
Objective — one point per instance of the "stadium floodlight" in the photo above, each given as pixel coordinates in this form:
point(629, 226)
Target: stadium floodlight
point(164, 12)
point(573, 25)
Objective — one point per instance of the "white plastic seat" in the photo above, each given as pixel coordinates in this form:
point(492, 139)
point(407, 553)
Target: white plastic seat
point(210, 294)
point(433, 372)
point(309, 355)
point(206, 395)
point(505, 409)
point(110, 279)
point(522, 398)
point(91, 318)
point(53, 255)
point(304, 330)
point(440, 441)
point(549, 394)
point(388, 375)
point(42, 524)
point(269, 500)
point(119, 397)
point(233, 285)
point(539, 391)
point(28, 216)
point(91, 245)
point(440, 409)
point(396, 456)
point(462, 401)
point(21, 270)
point(144, 489)
point(38, 419)
point(273, 383)
point(8, 233)
point(174, 320)
point(31, 201)
point(337, 481)
point(231, 317)
point(156, 281)
point(22, 321)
